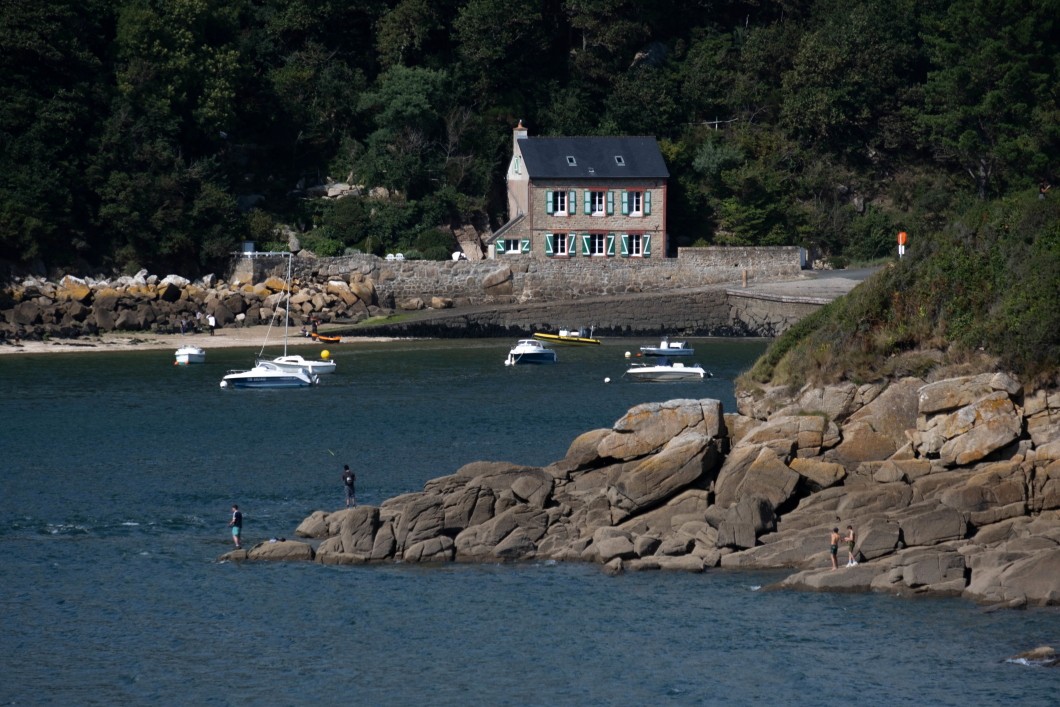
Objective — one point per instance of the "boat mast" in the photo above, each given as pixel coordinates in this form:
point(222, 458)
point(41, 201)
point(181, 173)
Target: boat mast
point(287, 306)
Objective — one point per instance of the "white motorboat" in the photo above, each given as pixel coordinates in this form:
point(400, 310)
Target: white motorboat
point(294, 362)
point(665, 371)
point(268, 375)
point(530, 351)
point(667, 348)
point(190, 354)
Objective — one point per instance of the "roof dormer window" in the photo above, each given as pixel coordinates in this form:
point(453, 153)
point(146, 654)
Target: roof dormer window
point(571, 162)
point(620, 160)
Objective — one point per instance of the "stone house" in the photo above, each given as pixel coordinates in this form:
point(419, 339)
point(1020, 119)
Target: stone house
point(591, 197)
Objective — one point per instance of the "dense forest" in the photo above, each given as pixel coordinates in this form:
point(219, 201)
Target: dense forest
point(161, 133)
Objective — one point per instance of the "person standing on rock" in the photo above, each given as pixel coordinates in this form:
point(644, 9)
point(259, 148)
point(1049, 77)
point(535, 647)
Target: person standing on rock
point(349, 480)
point(851, 539)
point(236, 524)
point(833, 547)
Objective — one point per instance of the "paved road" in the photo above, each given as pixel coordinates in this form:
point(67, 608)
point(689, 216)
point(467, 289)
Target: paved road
point(813, 284)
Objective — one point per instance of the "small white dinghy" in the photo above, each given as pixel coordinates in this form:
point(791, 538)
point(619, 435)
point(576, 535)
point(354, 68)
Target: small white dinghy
point(188, 354)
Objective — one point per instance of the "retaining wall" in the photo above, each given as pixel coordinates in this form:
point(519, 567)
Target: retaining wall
point(520, 278)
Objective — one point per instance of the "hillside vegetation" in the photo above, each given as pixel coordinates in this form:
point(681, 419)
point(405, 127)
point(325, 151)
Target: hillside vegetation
point(987, 286)
point(140, 133)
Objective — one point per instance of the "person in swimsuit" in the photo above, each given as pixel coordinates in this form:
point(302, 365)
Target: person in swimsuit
point(833, 547)
point(850, 539)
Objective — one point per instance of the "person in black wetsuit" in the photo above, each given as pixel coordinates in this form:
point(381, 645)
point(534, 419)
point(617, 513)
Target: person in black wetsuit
point(349, 480)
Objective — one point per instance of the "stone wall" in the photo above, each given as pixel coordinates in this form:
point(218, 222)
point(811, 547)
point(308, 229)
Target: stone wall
point(521, 278)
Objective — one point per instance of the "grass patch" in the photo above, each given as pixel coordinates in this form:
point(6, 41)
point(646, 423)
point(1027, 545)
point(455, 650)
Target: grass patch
point(987, 285)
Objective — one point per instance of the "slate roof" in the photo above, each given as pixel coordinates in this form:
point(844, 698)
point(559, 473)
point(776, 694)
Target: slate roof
point(594, 158)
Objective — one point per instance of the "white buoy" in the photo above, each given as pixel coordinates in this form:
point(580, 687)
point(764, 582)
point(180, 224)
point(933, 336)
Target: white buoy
point(607, 380)
point(628, 354)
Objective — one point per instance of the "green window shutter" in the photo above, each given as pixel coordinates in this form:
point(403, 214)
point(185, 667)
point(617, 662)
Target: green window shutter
point(572, 244)
point(610, 244)
point(586, 244)
point(570, 204)
point(625, 245)
point(548, 202)
point(610, 203)
point(645, 241)
point(525, 245)
point(625, 203)
point(549, 241)
point(647, 204)
point(499, 246)
point(588, 202)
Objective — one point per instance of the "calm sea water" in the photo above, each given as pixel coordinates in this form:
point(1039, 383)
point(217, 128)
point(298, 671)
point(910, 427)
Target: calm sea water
point(118, 474)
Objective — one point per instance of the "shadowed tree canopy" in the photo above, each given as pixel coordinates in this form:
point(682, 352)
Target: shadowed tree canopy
point(141, 133)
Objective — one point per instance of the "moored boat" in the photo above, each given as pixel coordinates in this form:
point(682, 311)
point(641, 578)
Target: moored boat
point(668, 348)
point(268, 375)
point(569, 337)
point(665, 371)
point(530, 351)
point(188, 354)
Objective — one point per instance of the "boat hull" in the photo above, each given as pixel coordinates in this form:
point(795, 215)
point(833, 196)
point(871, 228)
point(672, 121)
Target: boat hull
point(532, 358)
point(268, 375)
point(186, 355)
point(568, 338)
point(666, 374)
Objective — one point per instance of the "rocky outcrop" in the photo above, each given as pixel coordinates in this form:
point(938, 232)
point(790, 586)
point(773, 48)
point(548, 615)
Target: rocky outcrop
point(74, 307)
point(953, 487)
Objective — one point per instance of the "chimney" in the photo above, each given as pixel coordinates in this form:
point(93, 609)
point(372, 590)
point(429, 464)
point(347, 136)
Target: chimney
point(518, 133)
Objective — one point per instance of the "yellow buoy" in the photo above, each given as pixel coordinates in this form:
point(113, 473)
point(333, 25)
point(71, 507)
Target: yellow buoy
point(325, 354)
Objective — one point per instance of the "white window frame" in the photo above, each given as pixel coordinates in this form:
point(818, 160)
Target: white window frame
point(598, 245)
point(599, 203)
point(559, 245)
point(636, 245)
point(512, 246)
point(636, 203)
point(559, 202)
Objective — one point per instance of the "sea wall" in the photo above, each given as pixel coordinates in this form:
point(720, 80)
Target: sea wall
point(522, 279)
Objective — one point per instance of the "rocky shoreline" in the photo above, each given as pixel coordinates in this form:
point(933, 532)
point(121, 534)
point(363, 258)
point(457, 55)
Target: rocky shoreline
point(37, 309)
point(952, 485)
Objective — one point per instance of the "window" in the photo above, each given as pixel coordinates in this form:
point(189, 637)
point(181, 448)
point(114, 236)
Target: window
point(555, 244)
point(558, 203)
point(597, 244)
point(512, 245)
point(571, 162)
point(620, 160)
point(635, 245)
point(598, 203)
point(636, 203)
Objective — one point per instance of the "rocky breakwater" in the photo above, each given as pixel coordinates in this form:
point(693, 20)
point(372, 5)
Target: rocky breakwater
point(37, 308)
point(953, 487)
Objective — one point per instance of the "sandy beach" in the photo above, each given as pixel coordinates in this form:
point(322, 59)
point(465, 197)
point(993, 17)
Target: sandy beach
point(132, 341)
